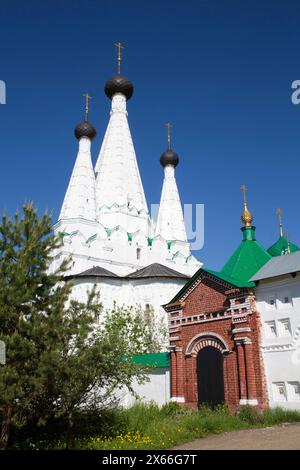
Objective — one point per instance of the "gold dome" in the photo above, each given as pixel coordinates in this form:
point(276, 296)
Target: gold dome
point(246, 216)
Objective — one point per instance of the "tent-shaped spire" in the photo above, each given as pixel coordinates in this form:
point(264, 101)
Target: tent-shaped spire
point(282, 246)
point(118, 182)
point(79, 201)
point(170, 221)
point(118, 178)
point(250, 255)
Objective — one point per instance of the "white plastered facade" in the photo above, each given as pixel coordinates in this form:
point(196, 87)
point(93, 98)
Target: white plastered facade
point(278, 301)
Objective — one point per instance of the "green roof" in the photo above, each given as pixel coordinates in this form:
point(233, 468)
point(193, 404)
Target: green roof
point(230, 280)
point(281, 247)
point(247, 259)
point(156, 360)
point(219, 275)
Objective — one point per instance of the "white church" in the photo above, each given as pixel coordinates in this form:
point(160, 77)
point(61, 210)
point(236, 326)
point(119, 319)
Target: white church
point(106, 225)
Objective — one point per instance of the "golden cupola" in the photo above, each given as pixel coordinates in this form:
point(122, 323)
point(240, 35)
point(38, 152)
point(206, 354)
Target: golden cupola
point(246, 216)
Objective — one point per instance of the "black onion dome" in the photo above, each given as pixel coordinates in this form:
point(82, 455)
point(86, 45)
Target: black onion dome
point(169, 158)
point(118, 84)
point(85, 129)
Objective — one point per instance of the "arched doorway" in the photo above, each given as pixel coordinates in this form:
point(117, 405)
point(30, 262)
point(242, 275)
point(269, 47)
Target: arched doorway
point(210, 376)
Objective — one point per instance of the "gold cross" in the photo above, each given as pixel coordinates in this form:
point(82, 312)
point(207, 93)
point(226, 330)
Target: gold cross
point(119, 46)
point(168, 126)
point(87, 98)
point(244, 189)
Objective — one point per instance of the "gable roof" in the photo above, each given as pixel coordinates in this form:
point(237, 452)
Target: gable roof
point(279, 265)
point(218, 275)
point(247, 259)
point(96, 271)
point(151, 271)
point(156, 270)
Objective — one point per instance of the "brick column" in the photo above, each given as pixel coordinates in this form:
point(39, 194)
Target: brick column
point(194, 376)
point(180, 375)
point(173, 375)
point(190, 379)
point(242, 372)
point(250, 373)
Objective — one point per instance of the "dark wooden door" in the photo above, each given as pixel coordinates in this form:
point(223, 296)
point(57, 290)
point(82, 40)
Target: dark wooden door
point(210, 376)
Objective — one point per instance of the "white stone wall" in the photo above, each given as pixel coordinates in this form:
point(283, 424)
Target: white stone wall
point(278, 301)
point(156, 390)
point(155, 292)
point(90, 245)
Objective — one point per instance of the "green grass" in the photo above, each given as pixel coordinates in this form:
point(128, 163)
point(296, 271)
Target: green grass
point(146, 426)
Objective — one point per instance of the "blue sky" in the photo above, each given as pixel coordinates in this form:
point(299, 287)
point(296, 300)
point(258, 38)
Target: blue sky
point(220, 71)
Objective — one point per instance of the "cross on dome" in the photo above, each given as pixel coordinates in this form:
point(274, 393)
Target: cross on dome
point(85, 129)
point(246, 216)
point(118, 83)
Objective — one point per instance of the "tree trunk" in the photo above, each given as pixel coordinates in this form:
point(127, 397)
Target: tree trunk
point(5, 426)
point(70, 436)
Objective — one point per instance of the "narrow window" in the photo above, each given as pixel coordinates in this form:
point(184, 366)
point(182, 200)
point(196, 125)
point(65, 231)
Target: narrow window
point(138, 253)
point(294, 391)
point(279, 391)
point(270, 329)
point(284, 327)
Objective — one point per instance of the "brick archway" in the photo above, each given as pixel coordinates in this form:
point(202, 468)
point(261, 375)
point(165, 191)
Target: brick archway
point(203, 340)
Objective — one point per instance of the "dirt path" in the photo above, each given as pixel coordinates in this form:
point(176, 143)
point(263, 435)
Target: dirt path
point(284, 436)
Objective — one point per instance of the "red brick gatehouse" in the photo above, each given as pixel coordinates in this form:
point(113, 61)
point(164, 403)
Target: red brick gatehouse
point(214, 330)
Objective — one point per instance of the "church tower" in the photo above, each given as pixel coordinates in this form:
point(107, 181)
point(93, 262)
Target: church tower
point(80, 201)
point(170, 221)
point(104, 220)
point(250, 255)
point(120, 195)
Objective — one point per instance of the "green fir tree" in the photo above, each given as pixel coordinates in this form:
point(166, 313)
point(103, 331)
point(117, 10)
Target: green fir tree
point(59, 358)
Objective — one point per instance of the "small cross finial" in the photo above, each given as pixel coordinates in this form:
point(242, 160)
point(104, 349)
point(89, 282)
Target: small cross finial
point(87, 98)
point(168, 126)
point(279, 215)
point(119, 46)
point(244, 189)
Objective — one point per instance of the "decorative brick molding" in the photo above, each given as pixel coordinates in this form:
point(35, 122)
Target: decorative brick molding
point(246, 329)
point(201, 277)
point(203, 340)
